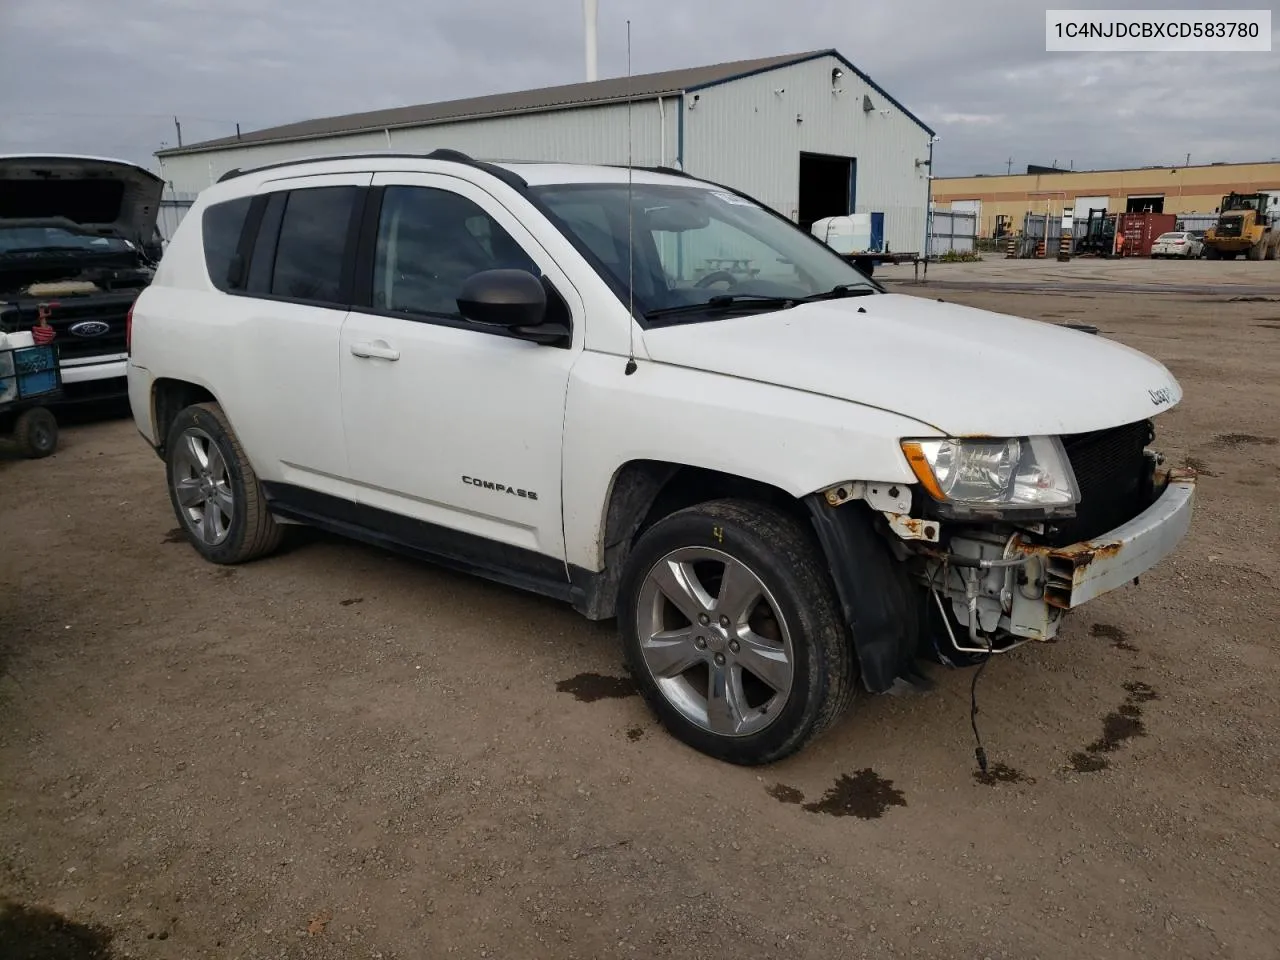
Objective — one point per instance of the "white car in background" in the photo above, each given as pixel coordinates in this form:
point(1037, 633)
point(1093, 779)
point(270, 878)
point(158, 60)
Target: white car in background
point(1179, 243)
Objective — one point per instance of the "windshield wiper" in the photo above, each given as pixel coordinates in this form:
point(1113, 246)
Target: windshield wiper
point(836, 292)
point(722, 303)
point(728, 301)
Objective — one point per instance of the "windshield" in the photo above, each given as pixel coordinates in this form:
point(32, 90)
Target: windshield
point(35, 238)
point(695, 245)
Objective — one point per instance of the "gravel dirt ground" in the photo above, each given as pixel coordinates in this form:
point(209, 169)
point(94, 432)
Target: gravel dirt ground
point(339, 753)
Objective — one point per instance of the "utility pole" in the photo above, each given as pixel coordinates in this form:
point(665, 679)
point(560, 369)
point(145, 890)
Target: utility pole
point(177, 126)
point(1008, 166)
point(1188, 163)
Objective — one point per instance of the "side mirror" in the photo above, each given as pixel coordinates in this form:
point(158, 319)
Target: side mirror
point(503, 298)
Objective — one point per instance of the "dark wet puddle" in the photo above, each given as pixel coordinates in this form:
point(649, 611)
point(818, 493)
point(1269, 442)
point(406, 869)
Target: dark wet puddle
point(1001, 773)
point(1119, 639)
point(31, 933)
point(1124, 723)
point(589, 687)
point(635, 733)
point(865, 795)
point(1200, 467)
point(1244, 439)
point(785, 794)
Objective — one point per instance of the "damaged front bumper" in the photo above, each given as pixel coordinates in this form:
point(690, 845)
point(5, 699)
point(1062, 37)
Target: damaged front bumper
point(1077, 574)
point(1005, 590)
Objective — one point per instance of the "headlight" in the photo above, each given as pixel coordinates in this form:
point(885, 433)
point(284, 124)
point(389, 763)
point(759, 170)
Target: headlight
point(1022, 472)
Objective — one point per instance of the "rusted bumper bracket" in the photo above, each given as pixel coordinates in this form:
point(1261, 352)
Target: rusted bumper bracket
point(1078, 573)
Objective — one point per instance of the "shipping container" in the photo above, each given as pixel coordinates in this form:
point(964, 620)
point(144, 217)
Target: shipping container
point(1141, 229)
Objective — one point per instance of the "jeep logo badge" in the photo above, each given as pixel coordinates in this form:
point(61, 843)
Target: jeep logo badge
point(89, 328)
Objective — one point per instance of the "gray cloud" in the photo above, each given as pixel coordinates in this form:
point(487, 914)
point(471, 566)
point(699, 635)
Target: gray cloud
point(86, 76)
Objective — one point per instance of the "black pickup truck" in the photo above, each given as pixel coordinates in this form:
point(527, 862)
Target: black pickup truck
point(78, 241)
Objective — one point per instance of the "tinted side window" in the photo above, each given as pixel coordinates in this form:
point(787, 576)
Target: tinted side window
point(221, 225)
point(263, 259)
point(313, 240)
point(429, 242)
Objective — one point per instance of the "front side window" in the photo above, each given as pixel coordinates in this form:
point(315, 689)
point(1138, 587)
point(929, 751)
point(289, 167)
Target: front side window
point(313, 242)
point(696, 246)
point(429, 242)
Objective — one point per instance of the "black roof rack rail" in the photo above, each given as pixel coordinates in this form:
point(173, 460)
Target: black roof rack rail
point(512, 180)
point(670, 171)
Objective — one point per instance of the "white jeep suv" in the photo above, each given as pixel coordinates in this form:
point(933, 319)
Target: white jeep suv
point(653, 398)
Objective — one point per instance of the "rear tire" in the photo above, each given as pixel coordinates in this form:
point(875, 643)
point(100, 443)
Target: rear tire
point(36, 433)
point(215, 494)
point(1273, 250)
point(1213, 253)
point(1257, 250)
point(732, 631)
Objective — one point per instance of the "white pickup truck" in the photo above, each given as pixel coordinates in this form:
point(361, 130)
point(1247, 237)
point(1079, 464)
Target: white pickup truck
point(783, 481)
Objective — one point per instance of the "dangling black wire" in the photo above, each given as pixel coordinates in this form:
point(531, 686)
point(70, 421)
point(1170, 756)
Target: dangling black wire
point(979, 752)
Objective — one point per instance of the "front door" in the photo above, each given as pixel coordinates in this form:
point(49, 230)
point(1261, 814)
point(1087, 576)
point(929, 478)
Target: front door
point(453, 430)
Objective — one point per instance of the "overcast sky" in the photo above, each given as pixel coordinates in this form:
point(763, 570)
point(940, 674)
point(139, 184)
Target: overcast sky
point(106, 76)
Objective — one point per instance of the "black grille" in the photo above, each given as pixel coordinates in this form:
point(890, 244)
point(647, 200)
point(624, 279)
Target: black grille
point(1113, 475)
point(109, 309)
point(1230, 227)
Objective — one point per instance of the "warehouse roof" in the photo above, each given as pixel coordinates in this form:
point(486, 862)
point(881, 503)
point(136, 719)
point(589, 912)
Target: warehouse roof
point(647, 86)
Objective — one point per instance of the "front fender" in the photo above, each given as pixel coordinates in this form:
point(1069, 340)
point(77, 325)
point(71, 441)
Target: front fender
point(795, 441)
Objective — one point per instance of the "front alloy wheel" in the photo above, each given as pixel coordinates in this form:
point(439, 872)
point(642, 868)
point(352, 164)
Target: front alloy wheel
point(713, 641)
point(732, 631)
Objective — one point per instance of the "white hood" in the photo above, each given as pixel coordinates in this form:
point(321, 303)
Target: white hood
point(962, 370)
point(94, 192)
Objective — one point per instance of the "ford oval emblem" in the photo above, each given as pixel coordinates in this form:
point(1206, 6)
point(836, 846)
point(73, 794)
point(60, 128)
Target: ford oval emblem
point(89, 328)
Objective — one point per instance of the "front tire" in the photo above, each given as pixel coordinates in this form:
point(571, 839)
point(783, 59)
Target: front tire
point(733, 633)
point(214, 491)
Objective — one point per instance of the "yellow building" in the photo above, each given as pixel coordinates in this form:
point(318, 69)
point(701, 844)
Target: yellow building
point(1002, 200)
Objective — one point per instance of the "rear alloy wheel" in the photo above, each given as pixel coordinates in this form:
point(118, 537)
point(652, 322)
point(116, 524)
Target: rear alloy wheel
point(732, 631)
point(36, 433)
point(214, 491)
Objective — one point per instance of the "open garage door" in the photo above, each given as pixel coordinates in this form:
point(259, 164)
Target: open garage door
point(1145, 203)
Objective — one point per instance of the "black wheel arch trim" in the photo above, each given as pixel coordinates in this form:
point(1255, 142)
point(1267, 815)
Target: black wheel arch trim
point(873, 590)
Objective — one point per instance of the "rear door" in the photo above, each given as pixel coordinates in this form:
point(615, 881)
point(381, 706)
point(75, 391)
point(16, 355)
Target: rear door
point(454, 431)
point(296, 295)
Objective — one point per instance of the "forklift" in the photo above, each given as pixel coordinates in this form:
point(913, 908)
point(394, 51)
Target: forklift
point(1098, 237)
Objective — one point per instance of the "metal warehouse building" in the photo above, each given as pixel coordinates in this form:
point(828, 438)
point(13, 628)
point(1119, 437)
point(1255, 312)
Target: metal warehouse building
point(808, 134)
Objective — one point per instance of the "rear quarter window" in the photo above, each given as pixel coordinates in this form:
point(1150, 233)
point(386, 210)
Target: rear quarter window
point(221, 226)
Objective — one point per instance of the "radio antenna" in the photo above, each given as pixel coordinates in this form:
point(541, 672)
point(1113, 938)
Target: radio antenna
point(631, 239)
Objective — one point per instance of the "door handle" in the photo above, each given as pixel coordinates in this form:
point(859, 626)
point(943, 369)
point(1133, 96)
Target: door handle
point(378, 350)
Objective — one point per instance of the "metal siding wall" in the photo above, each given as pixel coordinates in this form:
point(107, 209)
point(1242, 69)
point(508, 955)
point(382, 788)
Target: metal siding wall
point(953, 230)
point(582, 135)
point(745, 135)
point(173, 207)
